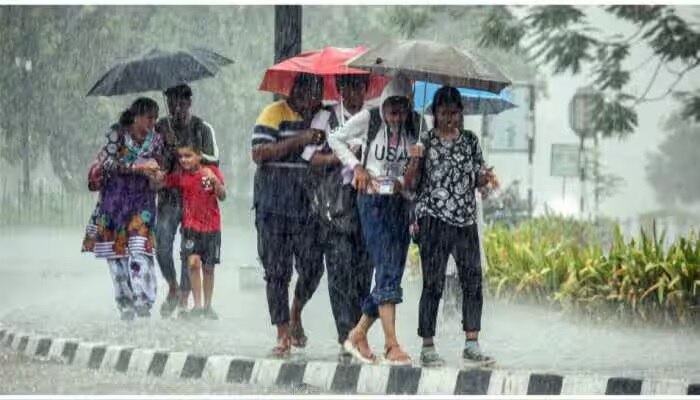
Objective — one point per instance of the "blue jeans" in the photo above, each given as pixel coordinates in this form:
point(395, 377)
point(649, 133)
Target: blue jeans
point(168, 219)
point(384, 221)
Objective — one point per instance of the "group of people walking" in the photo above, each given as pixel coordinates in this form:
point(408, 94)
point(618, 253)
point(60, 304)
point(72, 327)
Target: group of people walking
point(348, 192)
point(345, 186)
point(153, 176)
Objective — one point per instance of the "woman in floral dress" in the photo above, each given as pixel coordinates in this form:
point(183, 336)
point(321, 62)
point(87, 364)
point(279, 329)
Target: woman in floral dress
point(121, 227)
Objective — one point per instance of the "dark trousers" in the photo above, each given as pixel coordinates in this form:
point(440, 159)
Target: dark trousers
point(283, 244)
point(349, 277)
point(437, 240)
point(168, 220)
point(384, 221)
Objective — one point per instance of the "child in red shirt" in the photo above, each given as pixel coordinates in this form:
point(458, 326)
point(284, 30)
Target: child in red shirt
point(201, 188)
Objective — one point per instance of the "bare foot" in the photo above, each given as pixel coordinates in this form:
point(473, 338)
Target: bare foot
point(283, 348)
point(297, 334)
point(394, 355)
point(358, 345)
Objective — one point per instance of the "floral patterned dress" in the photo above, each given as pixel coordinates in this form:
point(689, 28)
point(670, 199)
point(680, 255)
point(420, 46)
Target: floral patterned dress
point(121, 229)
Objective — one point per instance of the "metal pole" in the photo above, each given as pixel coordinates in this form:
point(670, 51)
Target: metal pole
point(596, 177)
point(288, 19)
point(563, 190)
point(531, 150)
point(23, 63)
point(582, 173)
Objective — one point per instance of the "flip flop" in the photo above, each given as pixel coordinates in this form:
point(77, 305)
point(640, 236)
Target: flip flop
point(407, 361)
point(356, 353)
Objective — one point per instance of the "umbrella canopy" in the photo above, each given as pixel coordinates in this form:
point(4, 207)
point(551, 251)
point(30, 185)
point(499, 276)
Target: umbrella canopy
point(424, 60)
point(159, 70)
point(327, 62)
point(476, 102)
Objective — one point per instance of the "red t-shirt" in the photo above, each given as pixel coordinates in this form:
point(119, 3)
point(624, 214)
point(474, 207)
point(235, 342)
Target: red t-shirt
point(200, 206)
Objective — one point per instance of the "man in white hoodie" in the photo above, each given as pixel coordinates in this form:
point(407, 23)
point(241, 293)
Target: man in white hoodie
point(387, 133)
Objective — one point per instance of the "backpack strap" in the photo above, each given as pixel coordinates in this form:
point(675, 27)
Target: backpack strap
point(375, 122)
point(333, 122)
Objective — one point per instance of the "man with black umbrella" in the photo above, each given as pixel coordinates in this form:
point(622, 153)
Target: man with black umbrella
point(179, 126)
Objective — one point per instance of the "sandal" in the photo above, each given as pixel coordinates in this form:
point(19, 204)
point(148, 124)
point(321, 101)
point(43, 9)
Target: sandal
point(297, 335)
point(354, 348)
point(283, 349)
point(394, 355)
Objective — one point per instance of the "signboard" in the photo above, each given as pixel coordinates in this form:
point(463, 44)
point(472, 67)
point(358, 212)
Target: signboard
point(564, 161)
point(509, 130)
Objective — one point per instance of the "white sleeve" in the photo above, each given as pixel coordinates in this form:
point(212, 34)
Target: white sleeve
point(213, 157)
point(355, 128)
point(309, 151)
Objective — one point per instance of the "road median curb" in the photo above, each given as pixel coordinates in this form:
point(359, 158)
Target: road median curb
point(329, 376)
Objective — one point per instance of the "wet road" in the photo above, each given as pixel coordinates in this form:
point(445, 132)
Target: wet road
point(47, 286)
point(20, 375)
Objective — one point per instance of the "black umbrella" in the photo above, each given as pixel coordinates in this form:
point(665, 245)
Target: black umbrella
point(159, 70)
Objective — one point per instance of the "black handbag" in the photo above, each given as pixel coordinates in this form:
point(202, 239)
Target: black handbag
point(331, 201)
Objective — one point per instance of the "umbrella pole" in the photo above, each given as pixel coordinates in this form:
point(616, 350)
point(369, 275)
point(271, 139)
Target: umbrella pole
point(165, 101)
point(342, 111)
point(422, 113)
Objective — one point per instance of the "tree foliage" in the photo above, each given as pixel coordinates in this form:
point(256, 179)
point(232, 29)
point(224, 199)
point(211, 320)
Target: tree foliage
point(672, 169)
point(562, 37)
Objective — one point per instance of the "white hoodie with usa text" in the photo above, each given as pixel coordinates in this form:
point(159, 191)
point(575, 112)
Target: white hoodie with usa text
point(383, 160)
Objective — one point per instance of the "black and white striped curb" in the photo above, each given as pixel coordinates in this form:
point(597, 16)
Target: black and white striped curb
point(330, 376)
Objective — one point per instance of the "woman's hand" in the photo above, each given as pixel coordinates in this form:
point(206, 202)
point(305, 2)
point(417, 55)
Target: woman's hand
point(147, 167)
point(490, 179)
point(416, 151)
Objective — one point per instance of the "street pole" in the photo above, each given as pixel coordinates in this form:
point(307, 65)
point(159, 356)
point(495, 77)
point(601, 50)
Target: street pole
point(563, 190)
point(596, 176)
point(531, 150)
point(25, 66)
point(288, 21)
point(582, 173)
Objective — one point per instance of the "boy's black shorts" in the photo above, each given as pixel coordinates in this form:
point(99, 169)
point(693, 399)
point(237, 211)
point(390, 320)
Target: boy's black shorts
point(207, 245)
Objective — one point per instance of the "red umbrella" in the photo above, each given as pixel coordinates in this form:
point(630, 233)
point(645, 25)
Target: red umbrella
point(327, 62)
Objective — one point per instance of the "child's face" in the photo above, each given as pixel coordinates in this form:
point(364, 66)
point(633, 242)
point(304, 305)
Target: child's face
point(189, 159)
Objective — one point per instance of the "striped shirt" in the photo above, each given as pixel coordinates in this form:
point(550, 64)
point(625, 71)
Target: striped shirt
point(279, 186)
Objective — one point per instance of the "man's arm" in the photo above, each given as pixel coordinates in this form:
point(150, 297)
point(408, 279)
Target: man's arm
point(324, 159)
point(354, 130)
point(210, 150)
point(274, 151)
point(266, 143)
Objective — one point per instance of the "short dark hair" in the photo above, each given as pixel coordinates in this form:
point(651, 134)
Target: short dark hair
point(191, 143)
point(179, 91)
point(401, 101)
point(352, 80)
point(304, 80)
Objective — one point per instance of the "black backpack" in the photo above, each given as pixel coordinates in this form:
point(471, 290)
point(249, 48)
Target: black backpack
point(331, 201)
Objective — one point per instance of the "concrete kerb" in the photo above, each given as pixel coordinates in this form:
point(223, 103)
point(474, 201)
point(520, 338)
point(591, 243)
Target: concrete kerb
point(330, 376)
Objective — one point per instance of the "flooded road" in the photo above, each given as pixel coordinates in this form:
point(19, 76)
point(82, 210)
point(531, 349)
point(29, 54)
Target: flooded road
point(48, 287)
